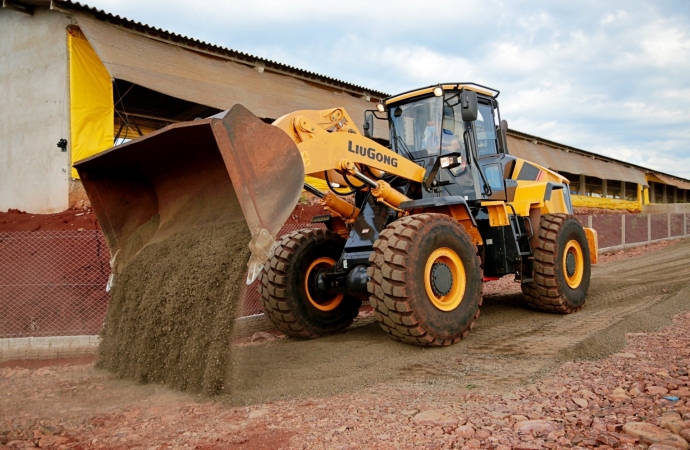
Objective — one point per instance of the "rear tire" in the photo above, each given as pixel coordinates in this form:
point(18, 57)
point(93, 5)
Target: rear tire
point(562, 266)
point(293, 308)
point(425, 280)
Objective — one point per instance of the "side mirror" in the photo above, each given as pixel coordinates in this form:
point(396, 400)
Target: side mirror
point(504, 135)
point(468, 102)
point(368, 124)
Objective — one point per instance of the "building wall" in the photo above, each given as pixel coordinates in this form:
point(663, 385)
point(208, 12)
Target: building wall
point(34, 114)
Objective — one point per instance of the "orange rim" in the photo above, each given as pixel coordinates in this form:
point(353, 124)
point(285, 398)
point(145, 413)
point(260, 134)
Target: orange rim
point(453, 298)
point(573, 264)
point(330, 304)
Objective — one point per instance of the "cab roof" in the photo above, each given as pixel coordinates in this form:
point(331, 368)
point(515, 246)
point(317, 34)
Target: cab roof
point(478, 88)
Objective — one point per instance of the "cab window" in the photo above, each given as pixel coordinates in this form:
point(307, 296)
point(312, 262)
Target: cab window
point(486, 131)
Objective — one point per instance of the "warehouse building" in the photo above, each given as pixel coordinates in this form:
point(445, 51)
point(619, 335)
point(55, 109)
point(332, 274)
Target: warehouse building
point(76, 80)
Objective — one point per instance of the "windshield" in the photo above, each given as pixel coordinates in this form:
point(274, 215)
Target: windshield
point(416, 127)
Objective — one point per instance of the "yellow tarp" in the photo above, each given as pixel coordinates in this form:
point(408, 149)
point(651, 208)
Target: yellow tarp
point(318, 183)
point(91, 100)
point(605, 203)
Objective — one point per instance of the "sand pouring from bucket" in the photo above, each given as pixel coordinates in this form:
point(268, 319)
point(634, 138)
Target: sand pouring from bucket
point(227, 168)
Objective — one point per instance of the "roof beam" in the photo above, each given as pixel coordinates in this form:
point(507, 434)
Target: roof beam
point(18, 6)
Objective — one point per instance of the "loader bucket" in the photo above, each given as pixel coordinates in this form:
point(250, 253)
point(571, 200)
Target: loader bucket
point(195, 174)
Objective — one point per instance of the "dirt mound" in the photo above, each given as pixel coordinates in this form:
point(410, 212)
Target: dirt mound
point(72, 219)
point(172, 310)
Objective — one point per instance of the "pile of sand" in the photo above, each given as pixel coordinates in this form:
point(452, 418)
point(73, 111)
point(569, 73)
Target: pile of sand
point(172, 310)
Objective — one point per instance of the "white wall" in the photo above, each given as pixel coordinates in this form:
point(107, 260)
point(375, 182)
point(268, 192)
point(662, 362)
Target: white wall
point(34, 111)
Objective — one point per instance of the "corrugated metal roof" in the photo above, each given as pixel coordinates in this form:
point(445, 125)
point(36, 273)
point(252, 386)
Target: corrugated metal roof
point(178, 39)
point(195, 44)
point(594, 156)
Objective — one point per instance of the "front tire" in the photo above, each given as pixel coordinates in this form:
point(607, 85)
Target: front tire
point(287, 289)
point(425, 280)
point(562, 266)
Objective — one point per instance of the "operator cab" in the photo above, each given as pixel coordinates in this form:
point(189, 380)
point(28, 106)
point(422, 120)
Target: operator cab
point(428, 123)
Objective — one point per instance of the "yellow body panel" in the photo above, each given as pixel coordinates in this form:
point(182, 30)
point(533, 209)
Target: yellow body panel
point(593, 244)
point(429, 90)
point(324, 138)
point(530, 193)
point(498, 214)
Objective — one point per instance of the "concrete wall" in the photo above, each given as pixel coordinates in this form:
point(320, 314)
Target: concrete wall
point(34, 113)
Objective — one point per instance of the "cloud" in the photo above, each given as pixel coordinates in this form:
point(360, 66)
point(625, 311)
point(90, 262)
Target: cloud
point(608, 77)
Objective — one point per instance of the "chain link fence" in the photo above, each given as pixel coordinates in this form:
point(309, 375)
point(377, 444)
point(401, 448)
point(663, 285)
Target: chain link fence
point(250, 299)
point(52, 283)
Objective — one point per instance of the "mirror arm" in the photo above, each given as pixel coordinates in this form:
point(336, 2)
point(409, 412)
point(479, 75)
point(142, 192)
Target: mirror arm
point(431, 174)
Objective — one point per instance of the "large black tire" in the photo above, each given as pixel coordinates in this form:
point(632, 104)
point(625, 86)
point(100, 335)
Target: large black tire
point(283, 287)
point(408, 304)
point(562, 266)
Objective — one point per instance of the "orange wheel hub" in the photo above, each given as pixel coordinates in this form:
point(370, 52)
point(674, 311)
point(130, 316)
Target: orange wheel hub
point(310, 286)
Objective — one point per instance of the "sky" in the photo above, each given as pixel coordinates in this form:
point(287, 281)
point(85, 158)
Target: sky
point(610, 77)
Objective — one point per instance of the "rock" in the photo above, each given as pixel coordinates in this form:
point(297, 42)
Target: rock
point(619, 394)
point(518, 417)
point(607, 440)
point(681, 392)
point(465, 431)
point(527, 446)
point(656, 390)
point(662, 447)
point(19, 444)
point(340, 429)
point(434, 418)
point(599, 425)
point(587, 394)
point(577, 439)
point(500, 423)
point(640, 401)
point(473, 443)
point(581, 402)
point(625, 355)
point(52, 441)
point(672, 422)
point(48, 430)
point(483, 433)
point(257, 413)
point(614, 427)
point(534, 426)
point(651, 434)
point(261, 336)
point(685, 434)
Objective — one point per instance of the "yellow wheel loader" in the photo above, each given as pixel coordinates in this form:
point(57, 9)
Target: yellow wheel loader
point(422, 224)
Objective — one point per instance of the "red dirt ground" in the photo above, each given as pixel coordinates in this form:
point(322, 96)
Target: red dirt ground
point(72, 219)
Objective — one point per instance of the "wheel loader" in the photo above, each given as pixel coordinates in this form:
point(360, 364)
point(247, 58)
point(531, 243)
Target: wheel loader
point(415, 227)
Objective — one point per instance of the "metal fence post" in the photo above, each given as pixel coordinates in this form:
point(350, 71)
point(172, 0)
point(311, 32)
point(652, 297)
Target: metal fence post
point(649, 227)
point(622, 229)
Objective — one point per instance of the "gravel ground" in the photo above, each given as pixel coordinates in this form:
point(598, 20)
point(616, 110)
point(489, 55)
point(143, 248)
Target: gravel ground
point(520, 384)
